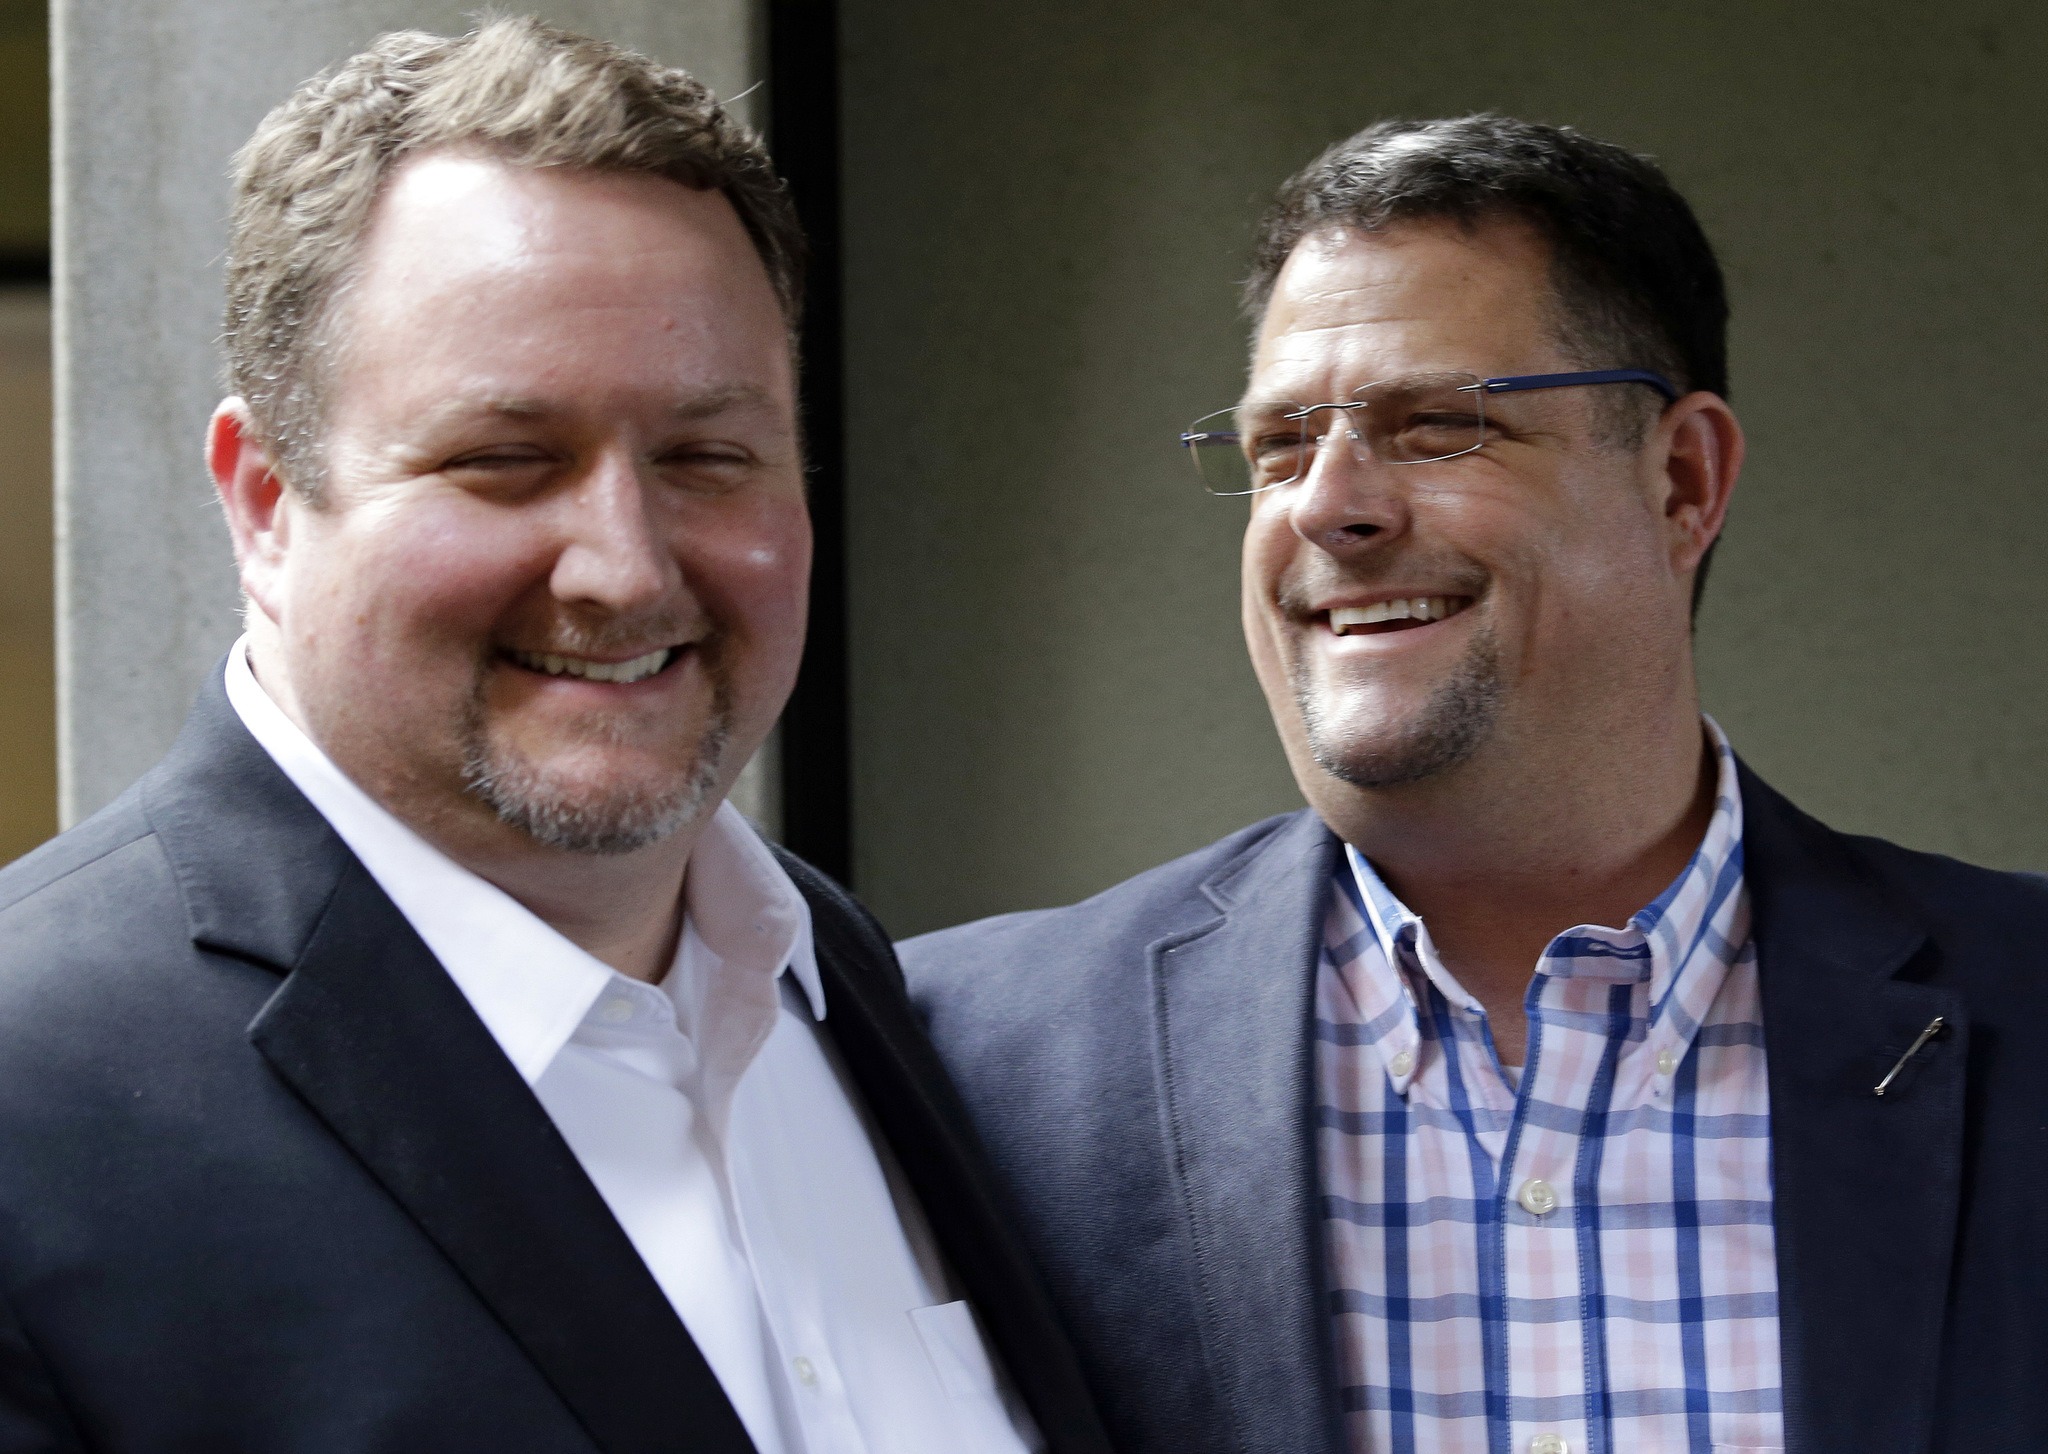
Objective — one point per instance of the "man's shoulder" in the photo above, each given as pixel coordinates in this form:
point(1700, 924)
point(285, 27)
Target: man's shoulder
point(1781, 840)
point(1116, 925)
point(82, 905)
point(1953, 893)
point(80, 851)
point(103, 993)
point(1982, 932)
point(97, 958)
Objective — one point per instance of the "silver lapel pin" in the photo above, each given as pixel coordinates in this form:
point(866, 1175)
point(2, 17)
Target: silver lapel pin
point(1933, 1029)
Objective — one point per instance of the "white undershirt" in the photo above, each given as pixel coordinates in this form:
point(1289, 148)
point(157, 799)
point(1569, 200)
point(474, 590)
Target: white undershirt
point(716, 1125)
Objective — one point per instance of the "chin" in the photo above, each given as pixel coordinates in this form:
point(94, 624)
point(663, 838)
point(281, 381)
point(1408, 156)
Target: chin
point(575, 817)
point(1383, 761)
point(598, 799)
point(1378, 745)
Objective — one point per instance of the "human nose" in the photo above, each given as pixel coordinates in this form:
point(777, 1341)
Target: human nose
point(613, 554)
point(1345, 495)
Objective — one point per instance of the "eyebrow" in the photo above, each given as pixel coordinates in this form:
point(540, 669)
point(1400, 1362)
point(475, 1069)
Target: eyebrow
point(1265, 406)
point(720, 400)
point(704, 404)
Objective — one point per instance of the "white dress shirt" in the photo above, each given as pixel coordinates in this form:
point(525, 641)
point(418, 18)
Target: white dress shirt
point(717, 1126)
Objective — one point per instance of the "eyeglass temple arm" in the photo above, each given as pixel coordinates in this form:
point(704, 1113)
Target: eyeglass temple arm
point(1516, 383)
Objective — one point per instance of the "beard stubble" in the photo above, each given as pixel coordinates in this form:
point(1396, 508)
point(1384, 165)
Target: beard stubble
point(524, 794)
point(1445, 730)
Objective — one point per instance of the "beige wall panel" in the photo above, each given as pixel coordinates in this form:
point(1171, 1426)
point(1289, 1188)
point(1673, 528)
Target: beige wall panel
point(1048, 207)
point(28, 781)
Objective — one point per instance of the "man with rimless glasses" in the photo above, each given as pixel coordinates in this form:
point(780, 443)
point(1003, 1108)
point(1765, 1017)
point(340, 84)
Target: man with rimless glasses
point(1550, 1084)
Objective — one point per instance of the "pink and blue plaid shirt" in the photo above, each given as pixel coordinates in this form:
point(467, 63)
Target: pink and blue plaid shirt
point(1583, 1264)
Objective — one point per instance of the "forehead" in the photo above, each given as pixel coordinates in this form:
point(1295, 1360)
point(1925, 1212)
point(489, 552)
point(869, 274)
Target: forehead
point(1351, 306)
point(473, 266)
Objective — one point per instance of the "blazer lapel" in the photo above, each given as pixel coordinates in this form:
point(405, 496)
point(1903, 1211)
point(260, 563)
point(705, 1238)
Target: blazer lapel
point(905, 1091)
point(1235, 1003)
point(1865, 1186)
point(376, 1039)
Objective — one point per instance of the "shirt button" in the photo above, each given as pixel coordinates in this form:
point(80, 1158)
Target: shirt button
point(1539, 1200)
point(615, 1012)
point(1402, 1063)
point(805, 1373)
point(1549, 1444)
point(1667, 1062)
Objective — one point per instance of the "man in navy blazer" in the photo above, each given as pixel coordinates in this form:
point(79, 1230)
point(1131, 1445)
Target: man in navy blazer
point(1754, 1158)
point(425, 1057)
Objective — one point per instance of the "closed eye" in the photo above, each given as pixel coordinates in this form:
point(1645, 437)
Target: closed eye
point(1443, 419)
point(1278, 441)
point(714, 468)
point(499, 458)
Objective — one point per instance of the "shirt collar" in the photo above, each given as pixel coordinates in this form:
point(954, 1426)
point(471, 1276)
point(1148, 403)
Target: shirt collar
point(530, 985)
point(1700, 919)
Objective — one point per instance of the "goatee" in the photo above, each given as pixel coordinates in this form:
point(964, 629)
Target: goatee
point(555, 810)
point(1446, 730)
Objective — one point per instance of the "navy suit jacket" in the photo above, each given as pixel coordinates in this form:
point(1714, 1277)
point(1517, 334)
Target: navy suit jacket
point(268, 1185)
point(1140, 1066)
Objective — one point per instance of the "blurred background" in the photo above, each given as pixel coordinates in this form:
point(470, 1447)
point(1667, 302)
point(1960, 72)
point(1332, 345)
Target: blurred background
point(1033, 220)
point(1047, 211)
point(28, 703)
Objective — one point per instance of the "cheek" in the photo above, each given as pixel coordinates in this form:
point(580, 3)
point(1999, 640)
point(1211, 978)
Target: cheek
point(395, 580)
point(752, 568)
point(1270, 545)
point(1583, 574)
point(1609, 545)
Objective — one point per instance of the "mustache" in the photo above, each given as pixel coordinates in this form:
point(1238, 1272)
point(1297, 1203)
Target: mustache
point(616, 634)
point(1321, 579)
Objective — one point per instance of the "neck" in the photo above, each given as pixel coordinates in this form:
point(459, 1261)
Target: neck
point(625, 910)
point(1513, 848)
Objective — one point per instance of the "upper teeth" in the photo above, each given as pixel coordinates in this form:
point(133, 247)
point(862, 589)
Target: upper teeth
point(1414, 608)
point(637, 669)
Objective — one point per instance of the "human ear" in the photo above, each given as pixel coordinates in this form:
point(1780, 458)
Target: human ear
point(255, 499)
point(1700, 449)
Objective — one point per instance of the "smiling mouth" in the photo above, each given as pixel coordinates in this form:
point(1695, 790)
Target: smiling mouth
point(638, 669)
point(1402, 615)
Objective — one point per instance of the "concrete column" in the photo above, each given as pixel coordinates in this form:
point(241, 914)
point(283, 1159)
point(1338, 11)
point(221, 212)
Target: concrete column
point(151, 101)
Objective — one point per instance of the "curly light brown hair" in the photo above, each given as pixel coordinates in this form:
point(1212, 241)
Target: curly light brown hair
point(306, 182)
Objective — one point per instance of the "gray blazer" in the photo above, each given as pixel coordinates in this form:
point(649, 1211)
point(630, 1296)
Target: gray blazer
point(1139, 1066)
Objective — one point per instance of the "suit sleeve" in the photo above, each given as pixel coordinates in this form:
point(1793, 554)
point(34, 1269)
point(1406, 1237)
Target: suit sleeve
point(33, 1419)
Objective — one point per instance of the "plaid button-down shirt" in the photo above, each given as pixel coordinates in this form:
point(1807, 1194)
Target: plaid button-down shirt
point(1583, 1263)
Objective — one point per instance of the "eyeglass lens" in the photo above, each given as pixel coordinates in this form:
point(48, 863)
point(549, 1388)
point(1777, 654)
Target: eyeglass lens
point(1416, 419)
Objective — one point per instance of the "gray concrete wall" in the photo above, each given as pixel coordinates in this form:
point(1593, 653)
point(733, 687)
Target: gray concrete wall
point(1047, 207)
point(151, 102)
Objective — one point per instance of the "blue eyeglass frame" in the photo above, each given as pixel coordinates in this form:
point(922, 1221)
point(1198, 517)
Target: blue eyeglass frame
point(1516, 383)
point(1508, 384)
